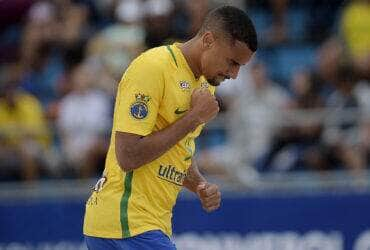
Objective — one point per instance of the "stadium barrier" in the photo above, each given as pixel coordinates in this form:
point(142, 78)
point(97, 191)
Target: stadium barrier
point(49, 216)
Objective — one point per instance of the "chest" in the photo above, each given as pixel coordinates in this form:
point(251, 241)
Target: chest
point(176, 99)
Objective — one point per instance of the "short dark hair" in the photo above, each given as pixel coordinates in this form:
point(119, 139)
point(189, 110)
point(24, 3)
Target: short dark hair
point(232, 22)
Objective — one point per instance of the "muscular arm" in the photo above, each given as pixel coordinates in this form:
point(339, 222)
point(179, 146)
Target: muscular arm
point(208, 193)
point(193, 178)
point(133, 151)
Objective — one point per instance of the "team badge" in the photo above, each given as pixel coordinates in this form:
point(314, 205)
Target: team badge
point(184, 85)
point(204, 85)
point(139, 109)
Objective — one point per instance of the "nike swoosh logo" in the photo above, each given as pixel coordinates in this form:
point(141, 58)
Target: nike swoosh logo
point(179, 112)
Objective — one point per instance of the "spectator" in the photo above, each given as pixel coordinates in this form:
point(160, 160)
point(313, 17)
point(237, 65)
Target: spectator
point(24, 137)
point(278, 32)
point(362, 93)
point(355, 23)
point(365, 140)
point(299, 137)
point(342, 136)
point(11, 15)
point(263, 101)
point(56, 36)
point(322, 16)
point(329, 55)
point(115, 46)
point(157, 22)
point(83, 122)
point(42, 74)
point(180, 20)
point(73, 22)
point(52, 28)
point(197, 10)
point(256, 107)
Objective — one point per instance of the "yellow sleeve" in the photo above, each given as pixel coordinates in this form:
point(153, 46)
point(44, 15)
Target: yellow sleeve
point(138, 98)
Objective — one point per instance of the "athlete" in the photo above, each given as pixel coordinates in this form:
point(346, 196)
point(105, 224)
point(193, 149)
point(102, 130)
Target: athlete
point(163, 101)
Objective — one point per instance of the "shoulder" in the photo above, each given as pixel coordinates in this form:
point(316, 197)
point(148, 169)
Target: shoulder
point(160, 55)
point(28, 103)
point(350, 11)
point(156, 59)
point(28, 99)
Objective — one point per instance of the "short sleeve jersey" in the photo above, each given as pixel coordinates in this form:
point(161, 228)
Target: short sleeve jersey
point(154, 92)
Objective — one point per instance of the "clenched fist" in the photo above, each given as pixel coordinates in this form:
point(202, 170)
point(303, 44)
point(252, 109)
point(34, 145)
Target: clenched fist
point(209, 196)
point(204, 105)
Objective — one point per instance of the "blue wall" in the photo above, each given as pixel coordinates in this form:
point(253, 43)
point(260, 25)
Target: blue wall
point(38, 221)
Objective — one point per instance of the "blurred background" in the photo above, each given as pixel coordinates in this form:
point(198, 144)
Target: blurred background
point(290, 148)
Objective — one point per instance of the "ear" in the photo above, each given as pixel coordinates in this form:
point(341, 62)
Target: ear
point(208, 40)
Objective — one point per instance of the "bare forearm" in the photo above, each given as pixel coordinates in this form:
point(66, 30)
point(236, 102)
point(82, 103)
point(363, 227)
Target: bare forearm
point(149, 148)
point(193, 178)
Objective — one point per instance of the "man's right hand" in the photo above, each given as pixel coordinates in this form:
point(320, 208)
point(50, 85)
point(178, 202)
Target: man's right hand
point(204, 105)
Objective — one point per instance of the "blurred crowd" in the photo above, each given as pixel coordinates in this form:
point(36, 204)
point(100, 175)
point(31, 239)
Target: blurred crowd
point(303, 103)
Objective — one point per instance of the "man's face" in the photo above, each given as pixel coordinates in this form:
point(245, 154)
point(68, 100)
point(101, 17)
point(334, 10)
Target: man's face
point(222, 58)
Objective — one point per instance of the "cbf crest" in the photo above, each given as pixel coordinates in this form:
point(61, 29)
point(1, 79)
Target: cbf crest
point(139, 109)
point(184, 85)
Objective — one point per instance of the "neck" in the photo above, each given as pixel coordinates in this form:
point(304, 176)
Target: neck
point(190, 51)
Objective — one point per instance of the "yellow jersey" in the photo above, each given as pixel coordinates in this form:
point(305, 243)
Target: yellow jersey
point(355, 26)
point(23, 120)
point(154, 92)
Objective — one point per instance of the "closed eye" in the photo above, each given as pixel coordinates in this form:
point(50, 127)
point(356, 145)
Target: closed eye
point(233, 63)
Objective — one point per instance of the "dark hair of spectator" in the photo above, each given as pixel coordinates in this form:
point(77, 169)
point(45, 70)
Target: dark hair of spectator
point(233, 23)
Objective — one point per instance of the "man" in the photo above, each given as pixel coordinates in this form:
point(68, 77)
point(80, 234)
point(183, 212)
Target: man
point(24, 134)
point(163, 101)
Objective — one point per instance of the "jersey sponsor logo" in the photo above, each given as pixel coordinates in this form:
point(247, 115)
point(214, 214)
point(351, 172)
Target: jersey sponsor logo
point(184, 85)
point(139, 109)
point(99, 184)
point(171, 174)
point(179, 111)
point(94, 199)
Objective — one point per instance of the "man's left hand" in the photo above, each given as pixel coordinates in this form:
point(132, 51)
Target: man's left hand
point(209, 196)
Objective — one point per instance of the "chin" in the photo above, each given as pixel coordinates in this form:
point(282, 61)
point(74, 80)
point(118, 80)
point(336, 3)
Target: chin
point(214, 82)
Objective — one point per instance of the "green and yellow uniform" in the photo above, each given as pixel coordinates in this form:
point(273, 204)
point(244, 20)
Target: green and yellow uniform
point(154, 92)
